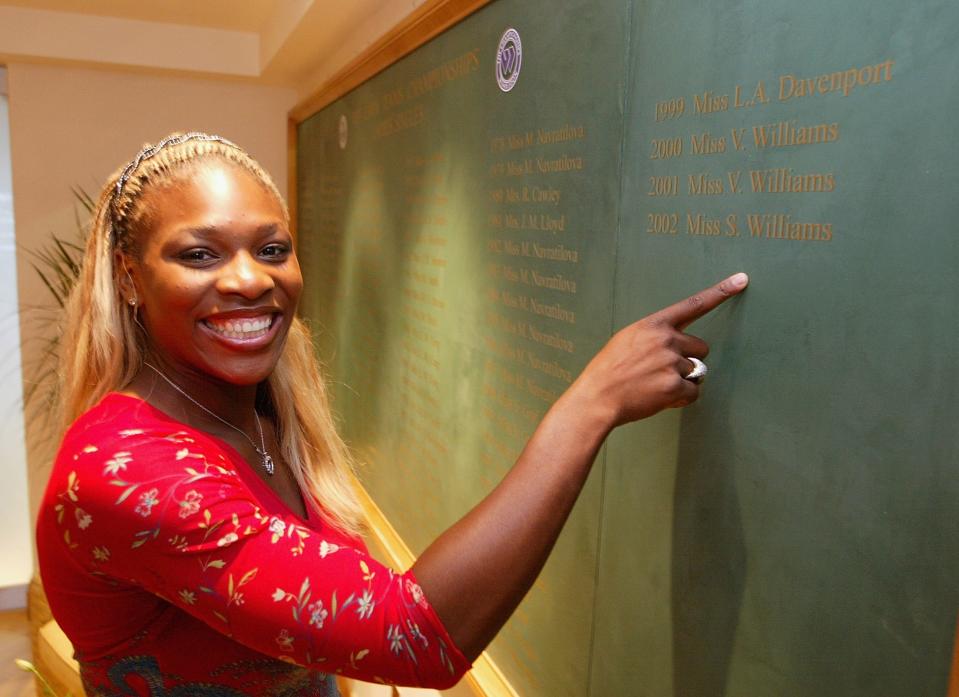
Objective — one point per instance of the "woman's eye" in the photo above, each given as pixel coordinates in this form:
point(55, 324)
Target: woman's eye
point(197, 255)
point(275, 251)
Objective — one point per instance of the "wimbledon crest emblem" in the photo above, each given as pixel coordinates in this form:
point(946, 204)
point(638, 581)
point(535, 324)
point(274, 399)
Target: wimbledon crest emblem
point(509, 59)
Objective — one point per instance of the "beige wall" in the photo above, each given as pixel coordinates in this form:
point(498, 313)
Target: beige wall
point(16, 565)
point(74, 126)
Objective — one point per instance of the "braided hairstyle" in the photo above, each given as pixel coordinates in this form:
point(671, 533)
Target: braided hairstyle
point(103, 346)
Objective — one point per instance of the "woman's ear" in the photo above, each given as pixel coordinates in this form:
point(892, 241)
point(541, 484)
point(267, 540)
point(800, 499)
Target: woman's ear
point(128, 288)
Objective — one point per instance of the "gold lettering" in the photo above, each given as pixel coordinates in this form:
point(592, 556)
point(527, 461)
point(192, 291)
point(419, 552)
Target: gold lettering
point(402, 121)
point(842, 81)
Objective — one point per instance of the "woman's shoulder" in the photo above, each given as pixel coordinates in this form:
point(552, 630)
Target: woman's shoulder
point(116, 412)
point(123, 449)
point(125, 424)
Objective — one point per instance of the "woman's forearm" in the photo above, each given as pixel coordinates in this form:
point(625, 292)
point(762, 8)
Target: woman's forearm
point(477, 572)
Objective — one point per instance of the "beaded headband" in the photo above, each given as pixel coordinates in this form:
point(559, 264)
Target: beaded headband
point(146, 154)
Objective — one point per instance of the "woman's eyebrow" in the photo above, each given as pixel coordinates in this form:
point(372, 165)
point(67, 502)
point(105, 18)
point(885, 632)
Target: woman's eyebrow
point(203, 231)
point(268, 229)
point(208, 231)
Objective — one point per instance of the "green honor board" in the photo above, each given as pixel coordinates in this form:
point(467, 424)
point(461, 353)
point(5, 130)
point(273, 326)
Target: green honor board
point(476, 221)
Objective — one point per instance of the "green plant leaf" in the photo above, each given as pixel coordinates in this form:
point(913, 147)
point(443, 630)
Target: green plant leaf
point(57, 263)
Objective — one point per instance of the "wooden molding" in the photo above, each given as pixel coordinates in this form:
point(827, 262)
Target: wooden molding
point(954, 678)
point(430, 19)
point(485, 679)
point(291, 185)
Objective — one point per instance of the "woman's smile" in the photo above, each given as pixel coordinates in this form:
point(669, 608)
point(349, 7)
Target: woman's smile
point(244, 330)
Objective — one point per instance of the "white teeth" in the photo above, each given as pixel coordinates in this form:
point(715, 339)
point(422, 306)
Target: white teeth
point(246, 328)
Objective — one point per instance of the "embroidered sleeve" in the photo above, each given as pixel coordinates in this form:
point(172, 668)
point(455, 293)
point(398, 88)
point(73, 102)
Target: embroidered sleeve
point(170, 516)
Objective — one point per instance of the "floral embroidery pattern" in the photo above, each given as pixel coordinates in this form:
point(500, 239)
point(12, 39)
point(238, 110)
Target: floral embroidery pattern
point(190, 504)
point(416, 634)
point(327, 548)
point(116, 463)
point(235, 597)
point(69, 498)
point(83, 518)
point(396, 639)
point(284, 640)
point(147, 501)
point(227, 539)
point(317, 614)
point(295, 534)
point(415, 592)
point(365, 605)
point(277, 527)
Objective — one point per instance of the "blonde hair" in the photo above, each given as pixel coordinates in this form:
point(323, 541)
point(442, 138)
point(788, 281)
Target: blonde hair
point(102, 349)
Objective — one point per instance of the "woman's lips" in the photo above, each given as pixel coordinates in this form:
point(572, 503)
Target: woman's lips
point(248, 332)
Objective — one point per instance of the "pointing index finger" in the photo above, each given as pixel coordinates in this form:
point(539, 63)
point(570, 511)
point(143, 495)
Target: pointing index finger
point(687, 311)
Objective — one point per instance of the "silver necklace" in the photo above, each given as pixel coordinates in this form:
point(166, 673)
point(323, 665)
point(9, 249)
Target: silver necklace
point(265, 458)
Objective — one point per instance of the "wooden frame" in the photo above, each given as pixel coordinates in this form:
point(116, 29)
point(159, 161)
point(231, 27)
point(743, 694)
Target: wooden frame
point(954, 674)
point(427, 21)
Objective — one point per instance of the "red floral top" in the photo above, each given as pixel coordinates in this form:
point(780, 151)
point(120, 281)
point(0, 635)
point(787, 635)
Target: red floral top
point(175, 571)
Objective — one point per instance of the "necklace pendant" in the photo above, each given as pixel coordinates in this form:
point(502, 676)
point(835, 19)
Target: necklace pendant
point(268, 464)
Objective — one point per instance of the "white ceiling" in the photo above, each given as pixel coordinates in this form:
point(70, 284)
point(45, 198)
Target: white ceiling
point(237, 15)
point(296, 43)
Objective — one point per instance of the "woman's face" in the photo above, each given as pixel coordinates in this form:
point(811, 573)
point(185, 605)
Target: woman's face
point(217, 279)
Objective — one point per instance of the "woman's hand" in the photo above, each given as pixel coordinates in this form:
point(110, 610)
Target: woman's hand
point(642, 369)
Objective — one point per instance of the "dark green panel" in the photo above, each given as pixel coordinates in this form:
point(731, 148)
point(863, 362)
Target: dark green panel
point(796, 532)
point(793, 533)
point(457, 253)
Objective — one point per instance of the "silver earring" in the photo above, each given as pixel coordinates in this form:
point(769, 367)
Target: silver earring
point(132, 301)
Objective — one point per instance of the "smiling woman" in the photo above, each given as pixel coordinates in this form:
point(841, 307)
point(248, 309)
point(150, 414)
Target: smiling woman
point(202, 497)
point(182, 352)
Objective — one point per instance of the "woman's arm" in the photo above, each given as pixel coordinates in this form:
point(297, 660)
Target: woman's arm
point(166, 512)
point(476, 573)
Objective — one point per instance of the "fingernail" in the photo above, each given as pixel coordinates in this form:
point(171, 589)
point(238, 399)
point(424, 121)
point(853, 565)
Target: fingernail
point(739, 280)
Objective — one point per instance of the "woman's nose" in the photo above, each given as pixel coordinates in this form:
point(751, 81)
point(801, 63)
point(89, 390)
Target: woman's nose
point(245, 275)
